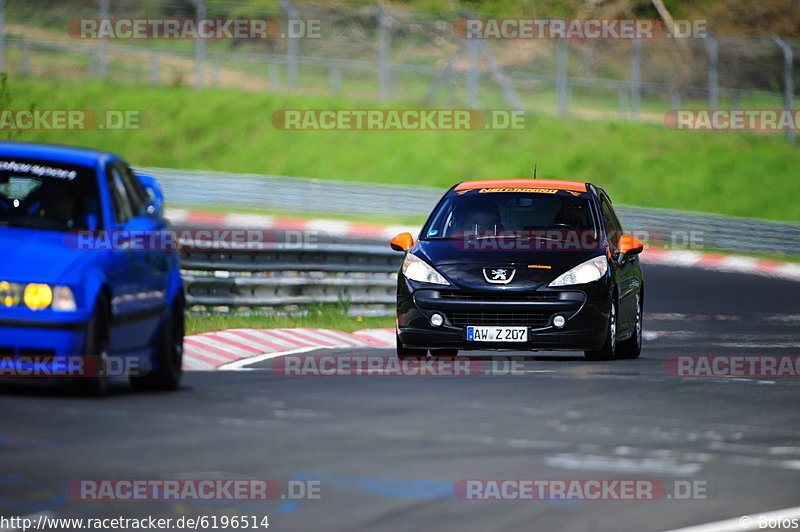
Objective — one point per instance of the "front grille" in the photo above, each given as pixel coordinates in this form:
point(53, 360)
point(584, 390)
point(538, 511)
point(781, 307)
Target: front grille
point(532, 320)
point(501, 296)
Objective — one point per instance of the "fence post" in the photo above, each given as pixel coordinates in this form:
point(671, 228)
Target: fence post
point(155, 76)
point(273, 77)
point(336, 80)
point(562, 83)
point(788, 85)
point(102, 61)
point(26, 58)
point(473, 74)
point(713, 76)
point(292, 50)
point(200, 47)
point(2, 35)
point(384, 52)
point(636, 77)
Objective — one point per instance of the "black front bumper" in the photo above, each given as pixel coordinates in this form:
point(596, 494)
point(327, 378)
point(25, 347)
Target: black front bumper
point(585, 308)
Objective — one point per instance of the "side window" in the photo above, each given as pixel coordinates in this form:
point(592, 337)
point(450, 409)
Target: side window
point(134, 188)
point(119, 197)
point(612, 224)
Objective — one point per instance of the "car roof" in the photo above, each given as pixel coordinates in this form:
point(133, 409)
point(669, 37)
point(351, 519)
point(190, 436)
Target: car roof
point(54, 152)
point(578, 186)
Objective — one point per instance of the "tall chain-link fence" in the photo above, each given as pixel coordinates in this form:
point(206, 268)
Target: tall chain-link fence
point(374, 52)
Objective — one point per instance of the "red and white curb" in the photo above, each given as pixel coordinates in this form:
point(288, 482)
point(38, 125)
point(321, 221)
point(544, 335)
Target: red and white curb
point(234, 348)
point(652, 255)
point(339, 228)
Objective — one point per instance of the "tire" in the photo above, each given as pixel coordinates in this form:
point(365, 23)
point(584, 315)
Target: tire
point(96, 348)
point(166, 376)
point(449, 353)
point(404, 353)
point(608, 351)
point(632, 347)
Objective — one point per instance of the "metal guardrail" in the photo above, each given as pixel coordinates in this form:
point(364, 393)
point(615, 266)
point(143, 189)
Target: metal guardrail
point(671, 227)
point(281, 276)
point(221, 275)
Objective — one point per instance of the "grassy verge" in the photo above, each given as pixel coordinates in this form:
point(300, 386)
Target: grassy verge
point(315, 316)
point(733, 173)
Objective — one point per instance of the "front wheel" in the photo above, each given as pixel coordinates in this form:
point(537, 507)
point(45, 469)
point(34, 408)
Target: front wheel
point(632, 347)
point(96, 352)
point(166, 375)
point(608, 351)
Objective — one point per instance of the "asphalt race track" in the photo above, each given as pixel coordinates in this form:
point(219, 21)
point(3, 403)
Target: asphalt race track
point(387, 451)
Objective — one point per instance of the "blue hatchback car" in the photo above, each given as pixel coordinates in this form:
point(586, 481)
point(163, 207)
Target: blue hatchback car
point(64, 295)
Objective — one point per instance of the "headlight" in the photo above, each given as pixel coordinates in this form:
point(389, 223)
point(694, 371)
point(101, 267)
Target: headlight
point(10, 293)
point(591, 270)
point(416, 269)
point(63, 299)
point(38, 296)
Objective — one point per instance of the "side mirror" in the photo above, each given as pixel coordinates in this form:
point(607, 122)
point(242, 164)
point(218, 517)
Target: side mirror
point(630, 245)
point(154, 206)
point(402, 242)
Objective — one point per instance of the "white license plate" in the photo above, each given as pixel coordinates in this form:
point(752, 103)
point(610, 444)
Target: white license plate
point(497, 334)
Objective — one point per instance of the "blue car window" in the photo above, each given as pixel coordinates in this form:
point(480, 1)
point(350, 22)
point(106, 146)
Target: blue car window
point(48, 195)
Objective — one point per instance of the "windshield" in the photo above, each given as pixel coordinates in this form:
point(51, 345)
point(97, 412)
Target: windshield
point(48, 195)
point(486, 214)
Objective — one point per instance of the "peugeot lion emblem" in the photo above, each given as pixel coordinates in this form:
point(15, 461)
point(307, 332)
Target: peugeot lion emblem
point(499, 275)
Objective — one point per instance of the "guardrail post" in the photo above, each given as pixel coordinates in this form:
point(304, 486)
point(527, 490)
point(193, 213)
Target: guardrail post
point(292, 45)
point(713, 76)
point(788, 84)
point(562, 81)
point(636, 77)
point(200, 47)
point(384, 52)
point(102, 60)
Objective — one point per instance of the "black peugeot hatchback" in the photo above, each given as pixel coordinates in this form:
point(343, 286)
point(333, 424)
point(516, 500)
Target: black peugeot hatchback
point(521, 264)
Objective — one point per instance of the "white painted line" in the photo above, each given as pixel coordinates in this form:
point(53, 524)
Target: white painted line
point(236, 365)
point(590, 462)
point(745, 522)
